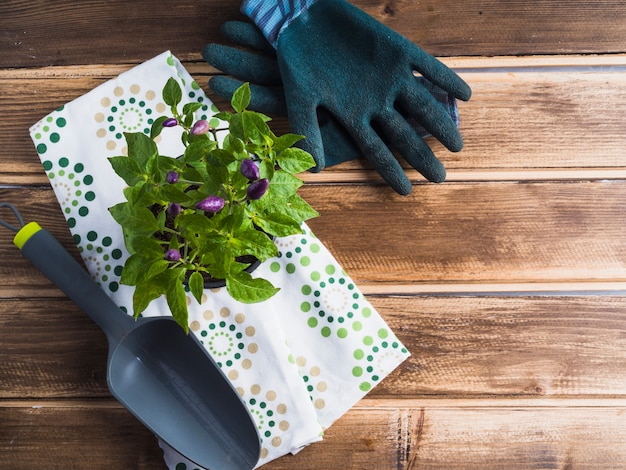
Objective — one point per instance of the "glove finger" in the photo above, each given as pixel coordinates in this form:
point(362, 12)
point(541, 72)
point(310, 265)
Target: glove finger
point(244, 65)
point(266, 100)
point(417, 102)
point(438, 73)
point(246, 34)
point(443, 97)
point(383, 161)
point(302, 114)
point(339, 146)
point(414, 150)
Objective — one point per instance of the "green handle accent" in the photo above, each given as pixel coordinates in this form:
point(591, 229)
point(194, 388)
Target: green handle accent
point(25, 233)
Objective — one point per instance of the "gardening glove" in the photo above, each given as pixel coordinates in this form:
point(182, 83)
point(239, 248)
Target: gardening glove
point(335, 56)
point(259, 67)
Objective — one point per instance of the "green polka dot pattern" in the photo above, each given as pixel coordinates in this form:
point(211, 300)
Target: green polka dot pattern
point(298, 361)
point(335, 309)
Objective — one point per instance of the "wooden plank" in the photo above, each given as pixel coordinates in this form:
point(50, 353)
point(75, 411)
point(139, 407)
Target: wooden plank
point(517, 346)
point(460, 27)
point(461, 346)
point(523, 123)
point(467, 435)
point(89, 435)
point(50, 349)
point(474, 233)
point(376, 434)
point(443, 234)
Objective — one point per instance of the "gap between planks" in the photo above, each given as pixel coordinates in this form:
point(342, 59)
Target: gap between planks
point(337, 175)
point(427, 289)
point(196, 66)
point(374, 403)
point(498, 289)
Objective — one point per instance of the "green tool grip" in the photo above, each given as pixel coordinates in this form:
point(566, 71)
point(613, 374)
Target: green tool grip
point(45, 252)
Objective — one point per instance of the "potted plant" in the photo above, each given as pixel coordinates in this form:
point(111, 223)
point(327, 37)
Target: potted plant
point(208, 215)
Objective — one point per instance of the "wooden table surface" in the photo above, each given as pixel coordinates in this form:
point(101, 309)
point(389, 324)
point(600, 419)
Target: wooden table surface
point(507, 282)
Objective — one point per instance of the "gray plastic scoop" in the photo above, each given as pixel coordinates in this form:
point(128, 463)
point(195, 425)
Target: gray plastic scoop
point(160, 374)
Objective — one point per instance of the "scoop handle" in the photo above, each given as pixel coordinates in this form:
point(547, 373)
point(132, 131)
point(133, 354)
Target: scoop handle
point(45, 252)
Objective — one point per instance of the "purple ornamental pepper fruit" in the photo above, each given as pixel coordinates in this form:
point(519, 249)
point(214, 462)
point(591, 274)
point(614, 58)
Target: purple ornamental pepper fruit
point(257, 189)
point(172, 255)
point(174, 209)
point(249, 169)
point(171, 177)
point(211, 204)
point(170, 122)
point(200, 127)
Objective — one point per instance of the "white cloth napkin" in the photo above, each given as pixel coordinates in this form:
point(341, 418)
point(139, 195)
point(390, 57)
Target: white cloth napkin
point(299, 360)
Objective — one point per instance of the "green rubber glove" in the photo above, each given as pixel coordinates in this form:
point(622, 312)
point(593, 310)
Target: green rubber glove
point(337, 57)
point(258, 66)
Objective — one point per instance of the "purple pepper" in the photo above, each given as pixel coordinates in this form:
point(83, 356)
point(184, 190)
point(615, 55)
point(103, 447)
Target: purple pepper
point(172, 255)
point(200, 127)
point(174, 209)
point(170, 122)
point(211, 204)
point(171, 177)
point(249, 169)
point(257, 189)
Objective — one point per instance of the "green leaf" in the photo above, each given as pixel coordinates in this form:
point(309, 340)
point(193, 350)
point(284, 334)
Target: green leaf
point(157, 127)
point(299, 209)
point(255, 127)
point(267, 169)
point(172, 94)
point(147, 246)
point(141, 148)
point(223, 116)
point(191, 108)
point(153, 169)
point(236, 127)
point(284, 185)
point(176, 298)
point(192, 224)
point(234, 144)
point(138, 269)
point(188, 121)
point(278, 223)
point(140, 194)
point(133, 270)
point(128, 169)
point(248, 290)
point(196, 285)
point(137, 220)
point(285, 141)
point(252, 242)
point(241, 98)
point(191, 173)
point(199, 150)
point(145, 293)
point(225, 157)
point(294, 160)
point(173, 193)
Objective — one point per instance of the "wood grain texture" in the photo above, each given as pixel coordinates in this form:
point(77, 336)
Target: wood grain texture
point(66, 32)
point(455, 233)
point(483, 435)
point(474, 233)
point(94, 435)
point(571, 119)
point(507, 283)
point(461, 347)
point(405, 435)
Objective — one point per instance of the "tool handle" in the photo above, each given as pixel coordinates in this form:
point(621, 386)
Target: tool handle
point(45, 252)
